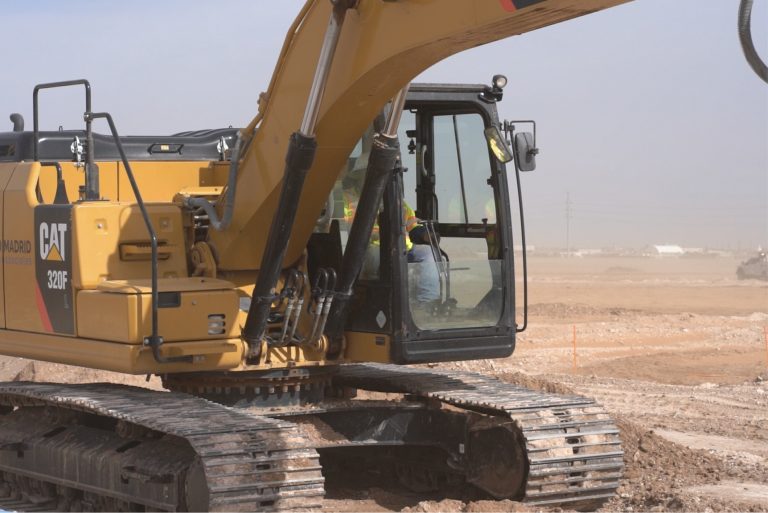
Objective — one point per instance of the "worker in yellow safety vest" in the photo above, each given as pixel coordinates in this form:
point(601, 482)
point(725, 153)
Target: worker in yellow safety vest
point(417, 245)
point(409, 219)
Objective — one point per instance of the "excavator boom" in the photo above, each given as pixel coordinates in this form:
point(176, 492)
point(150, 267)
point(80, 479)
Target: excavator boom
point(382, 47)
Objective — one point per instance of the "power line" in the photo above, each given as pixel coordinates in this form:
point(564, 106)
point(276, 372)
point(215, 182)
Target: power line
point(568, 215)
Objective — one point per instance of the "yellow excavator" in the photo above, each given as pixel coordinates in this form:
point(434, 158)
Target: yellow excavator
point(279, 279)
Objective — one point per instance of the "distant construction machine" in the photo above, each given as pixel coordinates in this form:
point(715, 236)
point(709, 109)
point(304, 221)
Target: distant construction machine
point(755, 268)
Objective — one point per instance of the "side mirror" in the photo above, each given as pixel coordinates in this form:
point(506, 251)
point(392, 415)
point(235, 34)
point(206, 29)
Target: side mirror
point(497, 144)
point(525, 151)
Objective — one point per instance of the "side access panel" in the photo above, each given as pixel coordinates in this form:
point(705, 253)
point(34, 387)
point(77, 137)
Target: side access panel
point(37, 257)
point(23, 300)
point(111, 243)
point(11, 249)
point(190, 309)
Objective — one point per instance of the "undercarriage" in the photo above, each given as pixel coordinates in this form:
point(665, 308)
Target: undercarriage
point(118, 448)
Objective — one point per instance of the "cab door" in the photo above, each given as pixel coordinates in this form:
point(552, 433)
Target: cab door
point(437, 280)
point(454, 270)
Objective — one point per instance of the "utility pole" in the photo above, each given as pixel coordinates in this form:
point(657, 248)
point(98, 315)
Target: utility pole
point(568, 213)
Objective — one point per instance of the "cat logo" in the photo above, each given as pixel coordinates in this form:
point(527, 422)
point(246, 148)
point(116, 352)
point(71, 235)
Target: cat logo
point(53, 241)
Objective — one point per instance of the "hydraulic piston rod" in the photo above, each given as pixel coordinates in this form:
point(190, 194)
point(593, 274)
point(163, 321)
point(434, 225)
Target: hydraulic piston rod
point(384, 152)
point(300, 156)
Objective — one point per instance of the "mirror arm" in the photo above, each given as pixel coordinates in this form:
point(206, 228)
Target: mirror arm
point(509, 128)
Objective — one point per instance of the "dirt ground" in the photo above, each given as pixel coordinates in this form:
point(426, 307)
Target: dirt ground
point(675, 348)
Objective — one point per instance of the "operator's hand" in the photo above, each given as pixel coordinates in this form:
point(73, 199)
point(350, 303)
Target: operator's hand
point(419, 235)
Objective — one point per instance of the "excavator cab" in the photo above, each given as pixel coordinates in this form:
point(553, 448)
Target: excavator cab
point(437, 282)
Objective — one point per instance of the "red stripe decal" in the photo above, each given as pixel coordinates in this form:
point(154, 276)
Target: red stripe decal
point(43, 310)
point(508, 5)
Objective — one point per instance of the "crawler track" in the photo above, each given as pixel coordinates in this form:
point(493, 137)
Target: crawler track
point(164, 451)
point(573, 446)
point(113, 447)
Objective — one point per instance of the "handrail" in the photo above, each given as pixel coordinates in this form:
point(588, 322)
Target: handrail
point(509, 128)
point(154, 341)
point(91, 171)
point(519, 329)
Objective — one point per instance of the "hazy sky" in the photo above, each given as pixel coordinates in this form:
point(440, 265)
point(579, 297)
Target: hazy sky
point(648, 115)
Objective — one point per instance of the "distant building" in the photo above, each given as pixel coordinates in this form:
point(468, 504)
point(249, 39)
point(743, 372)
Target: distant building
point(661, 250)
point(587, 252)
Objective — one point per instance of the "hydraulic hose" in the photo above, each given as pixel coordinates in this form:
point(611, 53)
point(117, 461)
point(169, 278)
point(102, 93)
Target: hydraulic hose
point(747, 43)
point(229, 197)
